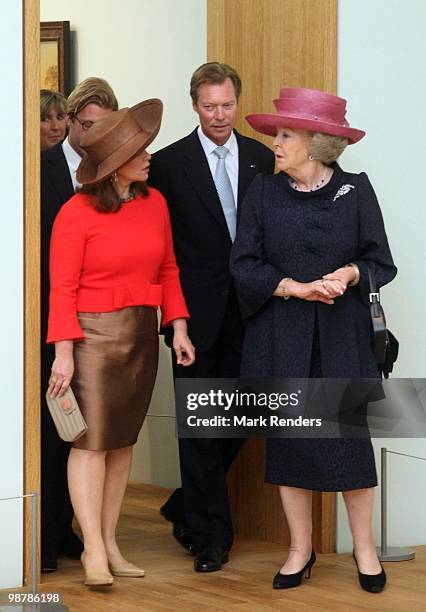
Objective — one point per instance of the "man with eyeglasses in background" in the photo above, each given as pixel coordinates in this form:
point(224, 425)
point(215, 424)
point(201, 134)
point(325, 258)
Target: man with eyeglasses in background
point(90, 101)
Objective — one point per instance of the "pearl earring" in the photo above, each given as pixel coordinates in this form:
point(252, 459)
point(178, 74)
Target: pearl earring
point(311, 157)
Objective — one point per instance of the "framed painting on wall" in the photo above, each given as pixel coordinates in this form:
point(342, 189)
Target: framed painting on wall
point(55, 56)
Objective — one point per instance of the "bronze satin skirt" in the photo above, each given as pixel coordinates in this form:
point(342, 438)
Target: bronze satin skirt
point(115, 370)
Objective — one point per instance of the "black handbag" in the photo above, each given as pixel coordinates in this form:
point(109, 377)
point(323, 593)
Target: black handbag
point(386, 346)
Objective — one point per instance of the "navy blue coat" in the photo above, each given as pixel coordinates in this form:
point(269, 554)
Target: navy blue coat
point(286, 233)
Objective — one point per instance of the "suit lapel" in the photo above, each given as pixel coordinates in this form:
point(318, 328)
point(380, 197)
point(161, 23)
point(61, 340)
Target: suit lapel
point(60, 175)
point(198, 171)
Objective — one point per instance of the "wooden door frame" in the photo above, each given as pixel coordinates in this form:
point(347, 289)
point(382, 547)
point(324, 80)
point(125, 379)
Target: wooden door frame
point(31, 113)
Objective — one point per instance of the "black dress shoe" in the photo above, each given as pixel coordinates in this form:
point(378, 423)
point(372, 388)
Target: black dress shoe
point(181, 534)
point(48, 561)
point(70, 546)
point(288, 581)
point(211, 559)
point(180, 531)
point(164, 511)
point(373, 583)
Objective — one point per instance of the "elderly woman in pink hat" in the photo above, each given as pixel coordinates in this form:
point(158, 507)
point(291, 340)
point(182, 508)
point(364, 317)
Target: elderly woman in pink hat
point(112, 265)
point(307, 238)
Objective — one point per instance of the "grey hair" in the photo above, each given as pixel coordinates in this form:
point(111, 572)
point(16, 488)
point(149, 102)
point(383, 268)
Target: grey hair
point(326, 147)
point(214, 73)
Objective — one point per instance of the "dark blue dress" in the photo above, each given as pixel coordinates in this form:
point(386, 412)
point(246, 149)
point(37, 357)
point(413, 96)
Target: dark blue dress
point(304, 235)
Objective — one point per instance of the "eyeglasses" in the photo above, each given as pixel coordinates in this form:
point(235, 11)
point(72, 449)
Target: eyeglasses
point(86, 125)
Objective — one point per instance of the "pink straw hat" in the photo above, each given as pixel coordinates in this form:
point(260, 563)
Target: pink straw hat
point(307, 109)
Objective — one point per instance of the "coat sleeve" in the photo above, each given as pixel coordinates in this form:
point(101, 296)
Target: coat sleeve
point(173, 303)
point(66, 259)
point(255, 278)
point(373, 246)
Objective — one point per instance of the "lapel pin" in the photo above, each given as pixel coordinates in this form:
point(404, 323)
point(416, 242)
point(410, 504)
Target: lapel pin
point(252, 166)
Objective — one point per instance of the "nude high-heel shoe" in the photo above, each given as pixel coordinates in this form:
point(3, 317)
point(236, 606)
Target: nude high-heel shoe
point(95, 578)
point(126, 570)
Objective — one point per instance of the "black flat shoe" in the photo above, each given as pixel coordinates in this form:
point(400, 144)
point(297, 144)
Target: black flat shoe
point(288, 581)
point(373, 583)
point(211, 559)
point(70, 546)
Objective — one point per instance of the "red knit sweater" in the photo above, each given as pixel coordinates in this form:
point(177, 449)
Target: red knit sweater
point(100, 262)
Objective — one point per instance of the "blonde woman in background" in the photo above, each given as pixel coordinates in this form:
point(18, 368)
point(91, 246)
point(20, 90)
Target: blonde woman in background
point(53, 112)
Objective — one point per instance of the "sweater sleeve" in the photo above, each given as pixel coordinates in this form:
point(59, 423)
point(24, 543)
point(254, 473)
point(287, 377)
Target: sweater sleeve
point(255, 278)
point(173, 303)
point(373, 247)
point(66, 258)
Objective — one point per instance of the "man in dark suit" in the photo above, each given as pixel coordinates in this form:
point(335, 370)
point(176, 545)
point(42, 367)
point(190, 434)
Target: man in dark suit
point(204, 178)
point(91, 100)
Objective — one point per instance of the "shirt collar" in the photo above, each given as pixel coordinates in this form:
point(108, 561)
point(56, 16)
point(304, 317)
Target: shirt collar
point(209, 146)
point(73, 158)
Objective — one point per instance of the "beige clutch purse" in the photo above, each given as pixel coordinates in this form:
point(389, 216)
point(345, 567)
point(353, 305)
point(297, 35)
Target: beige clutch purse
point(67, 416)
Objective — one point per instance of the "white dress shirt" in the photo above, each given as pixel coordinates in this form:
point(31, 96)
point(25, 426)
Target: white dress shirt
point(73, 160)
point(231, 160)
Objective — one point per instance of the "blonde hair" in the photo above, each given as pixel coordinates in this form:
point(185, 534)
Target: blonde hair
point(50, 100)
point(326, 147)
point(92, 90)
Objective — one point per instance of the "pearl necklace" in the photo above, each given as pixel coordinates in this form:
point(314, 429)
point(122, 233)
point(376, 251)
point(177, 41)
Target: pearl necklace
point(294, 184)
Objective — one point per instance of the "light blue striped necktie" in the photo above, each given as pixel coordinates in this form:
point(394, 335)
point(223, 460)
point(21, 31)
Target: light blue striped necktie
point(224, 190)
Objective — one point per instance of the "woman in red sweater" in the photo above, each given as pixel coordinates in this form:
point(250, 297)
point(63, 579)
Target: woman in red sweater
point(111, 265)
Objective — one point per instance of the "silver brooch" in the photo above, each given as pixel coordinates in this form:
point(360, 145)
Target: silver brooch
point(343, 190)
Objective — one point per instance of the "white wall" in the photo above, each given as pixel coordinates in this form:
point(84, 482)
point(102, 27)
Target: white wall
point(381, 50)
point(11, 309)
point(144, 49)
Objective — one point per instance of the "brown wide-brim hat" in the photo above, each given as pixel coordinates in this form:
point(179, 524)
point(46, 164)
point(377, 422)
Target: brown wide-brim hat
point(307, 109)
point(114, 140)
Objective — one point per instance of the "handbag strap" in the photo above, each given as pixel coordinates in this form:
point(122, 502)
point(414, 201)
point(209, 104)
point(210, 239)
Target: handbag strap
point(374, 295)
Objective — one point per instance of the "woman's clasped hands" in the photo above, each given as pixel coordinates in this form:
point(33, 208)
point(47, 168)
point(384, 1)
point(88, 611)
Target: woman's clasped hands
point(325, 289)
